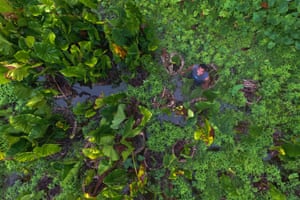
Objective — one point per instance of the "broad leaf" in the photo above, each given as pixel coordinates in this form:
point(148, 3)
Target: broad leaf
point(22, 56)
point(110, 152)
point(75, 71)
point(30, 40)
point(46, 150)
point(103, 166)
point(92, 153)
point(116, 177)
point(47, 52)
point(119, 117)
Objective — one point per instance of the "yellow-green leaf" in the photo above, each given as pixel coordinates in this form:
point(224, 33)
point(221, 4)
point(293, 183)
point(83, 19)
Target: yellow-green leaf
point(30, 40)
point(92, 153)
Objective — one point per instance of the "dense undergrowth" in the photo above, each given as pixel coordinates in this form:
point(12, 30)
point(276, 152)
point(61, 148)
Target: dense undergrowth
point(239, 139)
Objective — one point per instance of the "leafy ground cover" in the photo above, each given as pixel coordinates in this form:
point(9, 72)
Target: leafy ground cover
point(239, 139)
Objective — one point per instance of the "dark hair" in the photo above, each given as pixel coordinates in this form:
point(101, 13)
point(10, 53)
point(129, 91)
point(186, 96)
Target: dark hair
point(204, 66)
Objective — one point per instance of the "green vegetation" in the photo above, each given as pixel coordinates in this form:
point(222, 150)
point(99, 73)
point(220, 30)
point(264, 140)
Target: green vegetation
point(239, 139)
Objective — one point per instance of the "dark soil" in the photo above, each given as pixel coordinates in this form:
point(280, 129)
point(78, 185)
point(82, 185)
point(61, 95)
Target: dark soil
point(153, 160)
point(44, 183)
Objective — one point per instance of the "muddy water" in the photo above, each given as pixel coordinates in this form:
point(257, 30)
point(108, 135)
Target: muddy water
point(84, 93)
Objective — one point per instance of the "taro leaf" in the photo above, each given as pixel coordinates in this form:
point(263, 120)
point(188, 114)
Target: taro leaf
point(112, 192)
point(35, 101)
point(38, 152)
point(25, 122)
point(75, 71)
point(5, 7)
point(90, 113)
point(291, 150)
point(22, 56)
point(103, 166)
point(19, 73)
point(129, 149)
point(146, 115)
point(25, 157)
point(119, 117)
point(90, 17)
point(106, 139)
point(99, 102)
point(92, 153)
point(46, 150)
point(47, 52)
point(30, 40)
point(110, 152)
point(116, 177)
point(128, 131)
point(31, 124)
point(91, 62)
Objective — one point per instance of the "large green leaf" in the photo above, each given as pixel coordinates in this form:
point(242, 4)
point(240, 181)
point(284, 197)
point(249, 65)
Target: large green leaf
point(31, 124)
point(119, 117)
point(116, 177)
point(19, 73)
point(78, 71)
point(22, 56)
point(46, 150)
point(38, 152)
point(47, 52)
point(110, 152)
point(103, 166)
point(92, 153)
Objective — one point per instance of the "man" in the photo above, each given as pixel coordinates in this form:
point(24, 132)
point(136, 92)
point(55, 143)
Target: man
point(199, 74)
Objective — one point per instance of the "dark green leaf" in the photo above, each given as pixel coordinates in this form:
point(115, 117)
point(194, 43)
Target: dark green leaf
point(119, 117)
point(47, 52)
point(116, 177)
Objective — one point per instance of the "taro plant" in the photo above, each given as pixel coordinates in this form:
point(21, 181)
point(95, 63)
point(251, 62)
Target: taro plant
point(115, 124)
point(28, 129)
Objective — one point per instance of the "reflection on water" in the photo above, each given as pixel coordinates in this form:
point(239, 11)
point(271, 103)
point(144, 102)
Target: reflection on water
point(83, 93)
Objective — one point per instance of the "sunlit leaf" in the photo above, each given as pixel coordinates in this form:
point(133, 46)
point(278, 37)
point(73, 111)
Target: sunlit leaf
point(92, 62)
point(35, 101)
point(92, 153)
point(90, 113)
point(26, 157)
point(19, 73)
point(2, 155)
point(47, 150)
point(30, 40)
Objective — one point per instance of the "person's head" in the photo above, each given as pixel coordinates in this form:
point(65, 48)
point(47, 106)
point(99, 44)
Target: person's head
point(201, 69)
